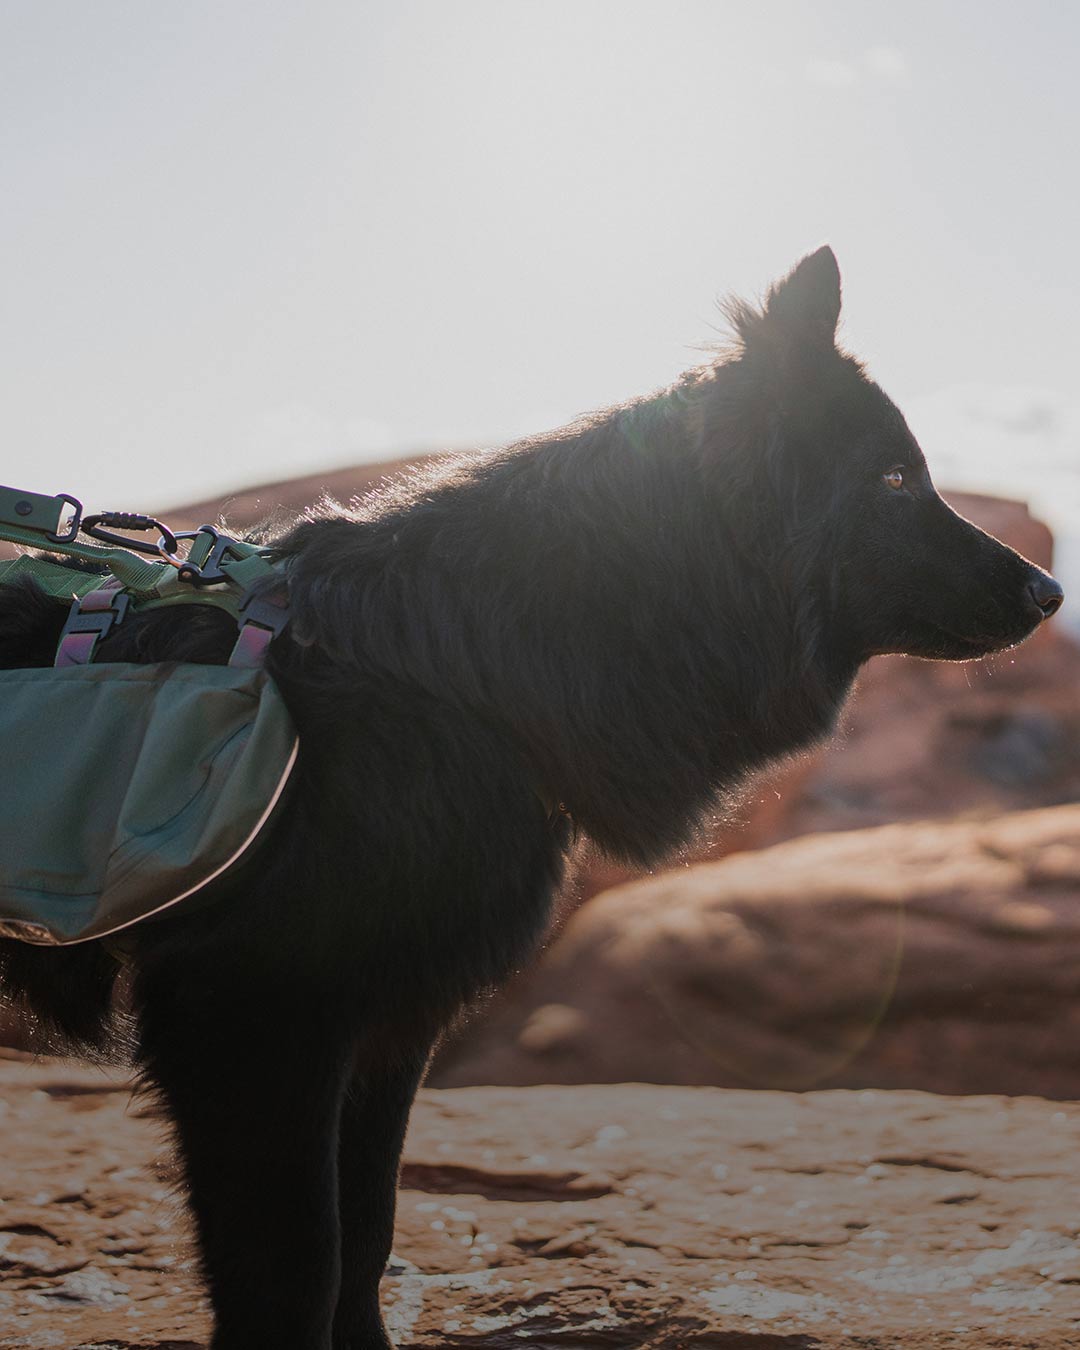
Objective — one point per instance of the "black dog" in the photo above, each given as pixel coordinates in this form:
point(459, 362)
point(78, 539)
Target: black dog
point(624, 618)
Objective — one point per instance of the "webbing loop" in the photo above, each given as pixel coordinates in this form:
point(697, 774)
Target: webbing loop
point(34, 511)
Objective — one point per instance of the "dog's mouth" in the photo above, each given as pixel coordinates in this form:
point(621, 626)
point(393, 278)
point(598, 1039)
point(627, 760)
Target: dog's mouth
point(935, 638)
point(986, 644)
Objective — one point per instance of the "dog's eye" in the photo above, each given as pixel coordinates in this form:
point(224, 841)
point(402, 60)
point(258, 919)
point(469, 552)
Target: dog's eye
point(894, 479)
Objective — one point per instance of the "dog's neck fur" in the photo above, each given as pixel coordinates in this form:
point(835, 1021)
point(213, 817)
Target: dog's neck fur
point(579, 592)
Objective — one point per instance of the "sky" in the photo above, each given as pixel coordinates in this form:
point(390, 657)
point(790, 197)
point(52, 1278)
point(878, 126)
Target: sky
point(250, 240)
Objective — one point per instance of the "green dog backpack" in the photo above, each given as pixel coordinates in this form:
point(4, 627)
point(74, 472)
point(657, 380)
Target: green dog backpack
point(127, 789)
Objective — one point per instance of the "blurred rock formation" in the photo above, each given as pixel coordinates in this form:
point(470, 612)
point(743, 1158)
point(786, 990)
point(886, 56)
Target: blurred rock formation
point(938, 955)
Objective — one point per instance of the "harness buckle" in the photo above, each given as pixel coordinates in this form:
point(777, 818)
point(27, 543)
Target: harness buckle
point(268, 611)
point(208, 572)
point(89, 619)
point(261, 619)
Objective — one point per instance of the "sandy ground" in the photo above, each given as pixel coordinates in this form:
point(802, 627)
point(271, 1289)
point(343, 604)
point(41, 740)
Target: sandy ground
point(572, 1217)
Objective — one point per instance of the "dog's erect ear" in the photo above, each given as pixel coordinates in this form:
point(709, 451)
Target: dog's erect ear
point(808, 298)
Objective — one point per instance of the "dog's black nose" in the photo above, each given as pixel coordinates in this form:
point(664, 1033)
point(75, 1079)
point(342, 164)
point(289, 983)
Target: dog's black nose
point(1046, 593)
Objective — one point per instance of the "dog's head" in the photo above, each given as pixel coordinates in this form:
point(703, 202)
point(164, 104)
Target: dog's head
point(857, 516)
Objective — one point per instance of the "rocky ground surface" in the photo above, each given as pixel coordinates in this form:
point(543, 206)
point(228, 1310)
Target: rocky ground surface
point(936, 955)
point(623, 1216)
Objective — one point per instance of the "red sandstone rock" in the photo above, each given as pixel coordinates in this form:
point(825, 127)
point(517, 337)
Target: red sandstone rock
point(636, 1217)
point(943, 956)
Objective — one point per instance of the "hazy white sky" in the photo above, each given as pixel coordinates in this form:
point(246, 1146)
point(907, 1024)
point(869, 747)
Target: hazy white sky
point(252, 238)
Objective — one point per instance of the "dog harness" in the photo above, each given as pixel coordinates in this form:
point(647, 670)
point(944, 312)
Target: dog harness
point(136, 785)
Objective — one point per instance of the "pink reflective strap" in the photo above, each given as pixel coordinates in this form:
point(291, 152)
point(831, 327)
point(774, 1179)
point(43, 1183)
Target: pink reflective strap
point(262, 618)
point(251, 645)
point(96, 602)
point(75, 649)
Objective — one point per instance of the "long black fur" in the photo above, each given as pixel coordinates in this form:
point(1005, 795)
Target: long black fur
point(624, 617)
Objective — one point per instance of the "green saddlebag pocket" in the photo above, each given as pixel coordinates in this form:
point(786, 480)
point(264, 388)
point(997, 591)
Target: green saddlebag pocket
point(125, 788)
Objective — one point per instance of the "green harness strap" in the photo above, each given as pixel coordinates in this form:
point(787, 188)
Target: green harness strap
point(34, 520)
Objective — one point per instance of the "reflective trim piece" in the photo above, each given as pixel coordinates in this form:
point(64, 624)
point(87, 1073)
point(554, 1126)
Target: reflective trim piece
point(48, 941)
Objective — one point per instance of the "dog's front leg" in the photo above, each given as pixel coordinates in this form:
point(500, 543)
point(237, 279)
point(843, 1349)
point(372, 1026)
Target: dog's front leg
point(372, 1130)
